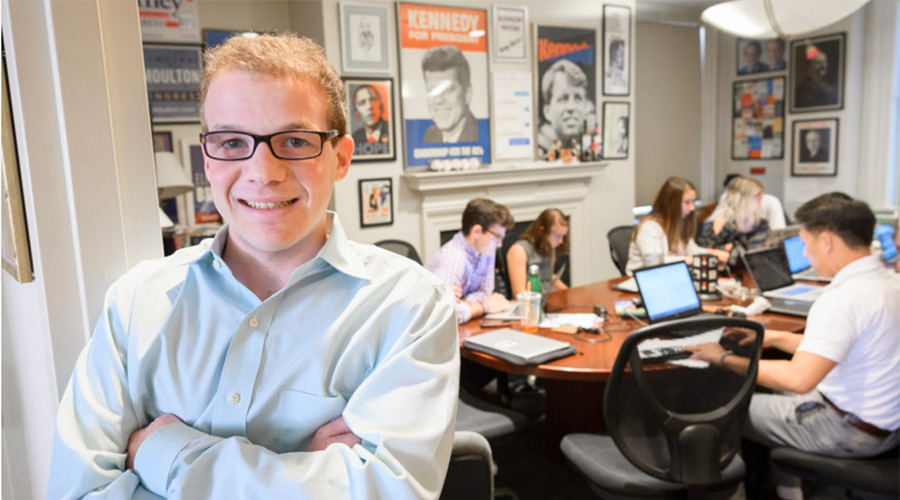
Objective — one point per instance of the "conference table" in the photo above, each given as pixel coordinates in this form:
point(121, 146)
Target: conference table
point(574, 385)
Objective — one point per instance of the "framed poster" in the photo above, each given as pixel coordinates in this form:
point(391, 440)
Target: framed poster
point(376, 208)
point(760, 56)
point(817, 73)
point(616, 50)
point(371, 124)
point(510, 33)
point(758, 119)
point(513, 114)
point(615, 130)
point(444, 83)
point(364, 38)
point(566, 86)
point(169, 22)
point(814, 148)
point(173, 82)
point(201, 208)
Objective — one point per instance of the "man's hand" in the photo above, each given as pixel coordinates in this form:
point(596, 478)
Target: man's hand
point(335, 431)
point(496, 303)
point(138, 436)
point(710, 352)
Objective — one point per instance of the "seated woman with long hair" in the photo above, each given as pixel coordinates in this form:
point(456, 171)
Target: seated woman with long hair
point(666, 234)
point(545, 238)
point(738, 223)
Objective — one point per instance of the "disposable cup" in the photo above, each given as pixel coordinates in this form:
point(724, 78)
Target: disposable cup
point(532, 310)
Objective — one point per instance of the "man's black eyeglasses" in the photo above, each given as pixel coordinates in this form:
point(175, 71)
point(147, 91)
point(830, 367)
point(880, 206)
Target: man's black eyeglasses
point(287, 145)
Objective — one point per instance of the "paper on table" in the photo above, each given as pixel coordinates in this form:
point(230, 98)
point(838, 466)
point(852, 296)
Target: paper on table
point(581, 320)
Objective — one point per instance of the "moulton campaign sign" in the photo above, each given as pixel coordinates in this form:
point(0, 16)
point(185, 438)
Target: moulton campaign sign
point(445, 116)
point(173, 82)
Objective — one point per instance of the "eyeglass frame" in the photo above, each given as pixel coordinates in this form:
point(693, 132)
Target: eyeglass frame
point(257, 139)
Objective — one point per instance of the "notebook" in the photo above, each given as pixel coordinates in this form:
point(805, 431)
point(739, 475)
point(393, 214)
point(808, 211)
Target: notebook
point(885, 236)
point(667, 292)
point(773, 277)
point(799, 265)
point(519, 348)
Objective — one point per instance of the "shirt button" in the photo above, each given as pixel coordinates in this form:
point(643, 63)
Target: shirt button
point(234, 398)
point(253, 322)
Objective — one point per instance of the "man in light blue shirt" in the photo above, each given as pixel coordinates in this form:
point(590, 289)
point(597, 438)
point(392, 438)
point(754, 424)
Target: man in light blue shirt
point(279, 359)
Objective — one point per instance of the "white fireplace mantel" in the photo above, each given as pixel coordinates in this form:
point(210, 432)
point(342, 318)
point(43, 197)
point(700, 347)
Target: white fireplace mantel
point(426, 182)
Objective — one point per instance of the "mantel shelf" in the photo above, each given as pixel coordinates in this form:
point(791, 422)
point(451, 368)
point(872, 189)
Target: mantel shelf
point(425, 182)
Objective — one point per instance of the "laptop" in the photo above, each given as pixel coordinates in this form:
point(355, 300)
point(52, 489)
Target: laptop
point(519, 348)
point(668, 292)
point(773, 277)
point(801, 268)
point(885, 235)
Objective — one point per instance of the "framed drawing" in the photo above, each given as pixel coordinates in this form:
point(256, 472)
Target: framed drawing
point(162, 141)
point(758, 119)
point(364, 38)
point(16, 254)
point(817, 73)
point(566, 87)
point(760, 56)
point(173, 82)
point(510, 29)
point(444, 83)
point(371, 124)
point(616, 50)
point(615, 130)
point(376, 206)
point(814, 148)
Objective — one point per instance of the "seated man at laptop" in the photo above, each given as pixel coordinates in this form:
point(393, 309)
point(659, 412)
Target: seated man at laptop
point(845, 370)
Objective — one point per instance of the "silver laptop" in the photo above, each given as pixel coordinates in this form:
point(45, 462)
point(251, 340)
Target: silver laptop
point(668, 292)
point(801, 268)
point(773, 277)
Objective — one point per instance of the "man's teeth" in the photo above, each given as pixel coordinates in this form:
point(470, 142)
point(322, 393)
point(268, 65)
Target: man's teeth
point(267, 205)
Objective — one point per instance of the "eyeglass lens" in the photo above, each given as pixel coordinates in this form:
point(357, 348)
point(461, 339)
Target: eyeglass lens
point(292, 145)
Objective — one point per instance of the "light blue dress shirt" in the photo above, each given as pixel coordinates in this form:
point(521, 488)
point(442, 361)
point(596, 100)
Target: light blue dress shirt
point(357, 331)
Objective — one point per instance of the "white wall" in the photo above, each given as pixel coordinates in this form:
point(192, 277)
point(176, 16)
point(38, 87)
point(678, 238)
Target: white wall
point(667, 69)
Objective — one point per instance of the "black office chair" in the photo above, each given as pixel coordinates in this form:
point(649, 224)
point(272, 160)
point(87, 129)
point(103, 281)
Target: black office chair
point(619, 240)
point(471, 472)
point(400, 247)
point(863, 478)
point(674, 430)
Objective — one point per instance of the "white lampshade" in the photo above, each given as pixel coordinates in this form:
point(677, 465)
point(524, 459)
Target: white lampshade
point(164, 221)
point(760, 19)
point(171, 178)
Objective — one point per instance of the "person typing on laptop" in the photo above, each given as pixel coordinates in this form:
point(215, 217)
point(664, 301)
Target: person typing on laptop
point(845, 371)
point(542, 241)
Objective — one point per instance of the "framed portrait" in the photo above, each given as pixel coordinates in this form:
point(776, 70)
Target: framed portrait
point(815, 148)
point(162, 141)
point(444, 83)
point(510, 29)
point(758, 119)
point(817, 73)
point(371, 124)
point(364, 38)
point(173, 82)
point(376, 205)
point(565, 87)
point(211, 37)
point(16, 253)
point(616, 50)
point(760, 56)
point(615, 130)
point(200, 206)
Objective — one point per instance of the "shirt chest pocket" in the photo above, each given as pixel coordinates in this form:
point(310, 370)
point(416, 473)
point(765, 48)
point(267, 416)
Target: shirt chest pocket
point(299, 414)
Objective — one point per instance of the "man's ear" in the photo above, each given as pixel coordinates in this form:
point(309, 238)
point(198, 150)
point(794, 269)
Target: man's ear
point(826, 240)
point(468, 94)
point(344, 151)
point(476, 231)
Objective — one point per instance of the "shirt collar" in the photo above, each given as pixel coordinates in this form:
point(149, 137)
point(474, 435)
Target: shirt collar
point(861, 265)
point(464, 243)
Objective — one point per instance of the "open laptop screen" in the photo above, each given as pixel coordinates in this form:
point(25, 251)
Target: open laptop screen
point(794, 248)
point(885, 235)
point(768, 269)
point(667, 291)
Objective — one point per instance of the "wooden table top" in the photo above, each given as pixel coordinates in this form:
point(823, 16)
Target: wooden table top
point(594, 360)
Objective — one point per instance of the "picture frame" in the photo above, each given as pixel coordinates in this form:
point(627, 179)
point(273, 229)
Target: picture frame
point(201, 210)
point(376, 204)
point(365, 39)
point(616, 50)
point(173, 82)
point(162, 141)
point(814, 151)
point(758, 119)
point(616, 118)
point(16, 252)
point(510, 27)
point(370, 102)
point(817, 73)
point(760, 56)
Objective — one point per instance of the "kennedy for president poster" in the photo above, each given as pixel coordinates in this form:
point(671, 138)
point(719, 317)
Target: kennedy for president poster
point(444, 83)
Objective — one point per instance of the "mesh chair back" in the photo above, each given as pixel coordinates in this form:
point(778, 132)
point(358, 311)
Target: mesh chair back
point(677, 419)
point(619, 239)
point(400, 247)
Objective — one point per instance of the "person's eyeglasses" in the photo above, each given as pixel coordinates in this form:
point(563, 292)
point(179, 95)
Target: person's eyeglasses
point(496, 234)
point(288, 145)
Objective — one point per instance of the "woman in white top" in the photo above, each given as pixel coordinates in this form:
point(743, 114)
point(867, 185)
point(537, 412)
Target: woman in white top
point(667, 233)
